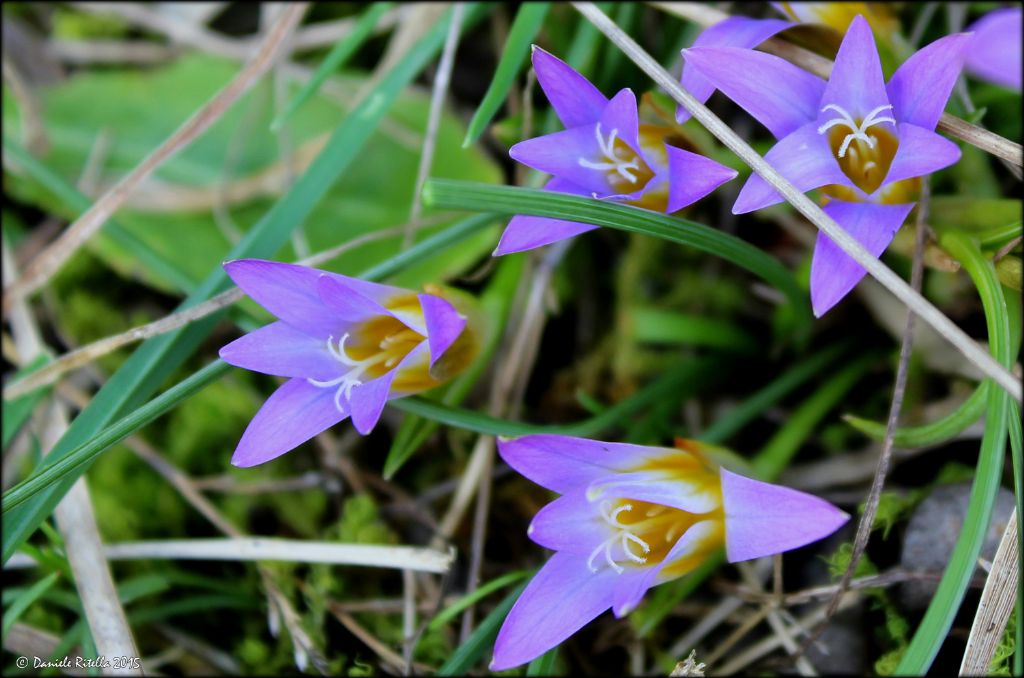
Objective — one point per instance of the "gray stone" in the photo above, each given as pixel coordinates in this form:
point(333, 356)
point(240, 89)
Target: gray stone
point(933, 531)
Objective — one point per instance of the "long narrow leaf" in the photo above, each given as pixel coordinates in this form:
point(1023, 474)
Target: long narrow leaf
point(524, 29)
point(466, 195)
point(939, 617)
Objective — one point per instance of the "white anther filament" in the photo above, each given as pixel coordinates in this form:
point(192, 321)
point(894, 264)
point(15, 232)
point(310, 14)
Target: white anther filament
point(352, 378)
point(847, 120)
point(622, 536)
point(617, 164)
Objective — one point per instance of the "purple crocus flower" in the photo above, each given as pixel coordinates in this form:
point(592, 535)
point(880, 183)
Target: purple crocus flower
point(631, 517)
point(347, 346)
point(863, 142)
point(605, 153)
point(995, 53)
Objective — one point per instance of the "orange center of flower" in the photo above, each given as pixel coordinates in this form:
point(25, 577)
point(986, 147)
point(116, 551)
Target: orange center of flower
point(863, 147)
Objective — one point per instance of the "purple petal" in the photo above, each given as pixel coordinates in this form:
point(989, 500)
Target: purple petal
point(292, 414)
point(762, 519)
point(368, 399)
point(563, 597)
point(690, 494)
point(283, 351)
point(804, 158)
point(736, 31)
point(779, 95)
point(444, 324)
point(527, 233)
point(288, 291)
point(564, 463)
point(995, 52)
point(920, 152)
point(700, 537)
point(691, 177)
point(920, 87)
point(576, 101)
point(833, 272)
point(560, 153)
point(356, 300)
point(856, 83)
point(570, 523)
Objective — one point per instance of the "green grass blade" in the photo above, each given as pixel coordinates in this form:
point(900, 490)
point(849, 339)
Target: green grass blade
point(453, 610)
point(154, 361)
point(722, 428)
point(482, 638)
point(660, 326)
point(522, 34)
point(55, 469)
point(776, 455)
point(543, 665)
point(689, 377)
point(933, 433)
point(335, 59)
point(938, 618)
point(17, 411)
point(447, 194)
point(26, 599)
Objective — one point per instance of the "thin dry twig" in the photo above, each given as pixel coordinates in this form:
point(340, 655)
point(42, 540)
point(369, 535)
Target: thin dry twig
point(867, 519)
point(31, 112)
point(54, 256)
point(850, 245)
point(385, 653)
point(441, 80)
point(997, 601)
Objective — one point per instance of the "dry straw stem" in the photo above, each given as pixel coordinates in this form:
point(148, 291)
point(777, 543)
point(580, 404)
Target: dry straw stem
point(75, 519)
point(882, 273)
point(959, 128)
point(284, 550)
point(997, 600)
point(54, 256)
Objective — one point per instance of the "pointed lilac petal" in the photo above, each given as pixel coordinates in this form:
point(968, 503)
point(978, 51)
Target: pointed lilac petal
point(699, 537)
point(779, 95)
point(576, 101)
point(691, 177)
point(293, 414)
point(368, 398)
point(560, 599)
point(444, 324)
point(856, 84)
point(356, 300)
point(804, 158)
point(920, 152)
point(762, 519)
point(570, 523)
point(527, 233)
point(658, 487)
point(564, 463)
point(736, 31)
point(283, 351)
point(995, 52)
point(920, 87)
point(288, 291)
point(833, 272)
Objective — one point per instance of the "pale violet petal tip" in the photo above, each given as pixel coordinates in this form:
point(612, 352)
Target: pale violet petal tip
point(444, 324)
point(575, 99)
point(763, 519)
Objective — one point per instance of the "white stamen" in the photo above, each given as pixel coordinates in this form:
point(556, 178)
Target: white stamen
point(622, 536)
point(617, 164)
point(352, 378)
point(847, 120)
